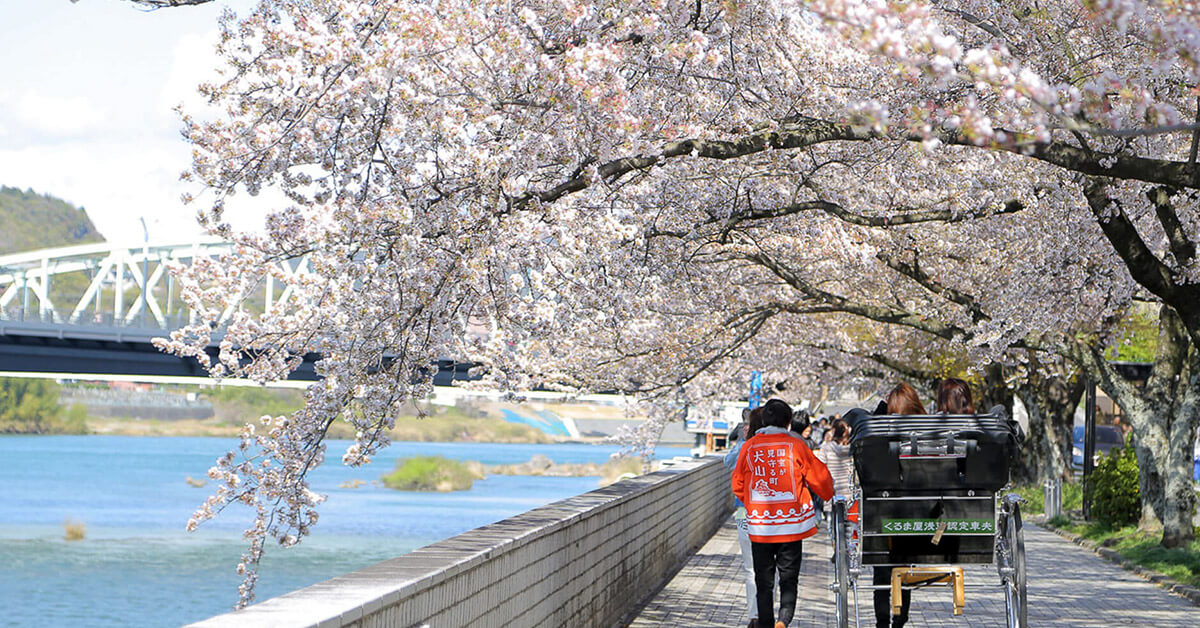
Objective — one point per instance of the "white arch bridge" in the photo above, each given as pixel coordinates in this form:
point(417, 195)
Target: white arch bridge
point(109, 285)
point(94, 308)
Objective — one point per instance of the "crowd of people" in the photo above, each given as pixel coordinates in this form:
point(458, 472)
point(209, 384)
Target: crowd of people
point(786, 469)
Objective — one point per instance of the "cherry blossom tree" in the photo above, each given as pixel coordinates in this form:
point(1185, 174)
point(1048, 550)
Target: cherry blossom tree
point(654, 196)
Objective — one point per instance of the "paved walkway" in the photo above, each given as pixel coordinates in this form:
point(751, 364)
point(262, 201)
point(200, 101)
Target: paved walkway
point(1067, 585)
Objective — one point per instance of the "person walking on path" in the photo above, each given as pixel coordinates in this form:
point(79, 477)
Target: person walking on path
point(835, 453)
point(751, 426)
point(771, 476)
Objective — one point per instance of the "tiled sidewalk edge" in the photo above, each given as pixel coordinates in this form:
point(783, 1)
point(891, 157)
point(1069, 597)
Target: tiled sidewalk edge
point(1187, 592)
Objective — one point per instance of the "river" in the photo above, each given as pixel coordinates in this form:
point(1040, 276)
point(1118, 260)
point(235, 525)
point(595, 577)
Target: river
point(137, 565)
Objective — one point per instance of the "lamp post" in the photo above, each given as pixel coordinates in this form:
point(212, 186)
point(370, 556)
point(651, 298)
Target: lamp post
point(1089, 444)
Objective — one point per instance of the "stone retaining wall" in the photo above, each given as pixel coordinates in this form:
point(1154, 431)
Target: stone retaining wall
point(584, 561)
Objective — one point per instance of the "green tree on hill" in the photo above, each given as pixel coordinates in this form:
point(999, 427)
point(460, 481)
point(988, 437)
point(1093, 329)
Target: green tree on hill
point(35, 221)
point(30, 406)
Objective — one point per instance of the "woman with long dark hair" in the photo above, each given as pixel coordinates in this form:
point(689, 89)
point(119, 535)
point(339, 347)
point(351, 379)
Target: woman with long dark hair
point(902, 399)
point(954, 397)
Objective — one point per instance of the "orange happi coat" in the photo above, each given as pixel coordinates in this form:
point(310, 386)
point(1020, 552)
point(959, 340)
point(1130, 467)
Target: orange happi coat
point(770, 477)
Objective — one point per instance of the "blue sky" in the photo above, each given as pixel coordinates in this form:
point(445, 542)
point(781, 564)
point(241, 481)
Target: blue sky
point(86, 97)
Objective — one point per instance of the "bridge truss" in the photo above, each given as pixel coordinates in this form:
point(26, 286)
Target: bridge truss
point(112, 286)
point(94, 309)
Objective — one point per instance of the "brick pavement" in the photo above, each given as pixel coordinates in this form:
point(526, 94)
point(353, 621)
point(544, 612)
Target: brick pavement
point(1067, 585)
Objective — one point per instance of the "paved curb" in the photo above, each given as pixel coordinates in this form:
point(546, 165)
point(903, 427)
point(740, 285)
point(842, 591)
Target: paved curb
point(1187, 592)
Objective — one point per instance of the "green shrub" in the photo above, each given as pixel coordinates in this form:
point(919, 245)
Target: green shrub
point(74, 420)
point(1034, 494)
point(1059, 521)
point(30, 406)
point(1116, 500)
point(431, 473)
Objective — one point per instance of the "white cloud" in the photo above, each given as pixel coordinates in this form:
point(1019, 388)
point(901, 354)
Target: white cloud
point(92, 123)
point(53, 115)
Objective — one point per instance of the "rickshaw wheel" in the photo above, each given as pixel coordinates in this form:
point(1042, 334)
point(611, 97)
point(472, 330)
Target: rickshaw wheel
point(841, 563)
point(1014, 590)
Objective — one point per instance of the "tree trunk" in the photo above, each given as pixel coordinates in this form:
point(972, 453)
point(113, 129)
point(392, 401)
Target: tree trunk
point(1050, 399)
point(1178, 494)
point(994, 391)
point(1164, 415)
point(1030, 467)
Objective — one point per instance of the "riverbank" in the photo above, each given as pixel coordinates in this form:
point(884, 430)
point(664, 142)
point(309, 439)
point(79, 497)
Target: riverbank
point(440, 474)
point(446, 428)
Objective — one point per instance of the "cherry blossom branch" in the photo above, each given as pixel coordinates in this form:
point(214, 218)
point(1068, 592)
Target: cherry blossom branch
point(1143, 264)
point(913, 271)
point(882, 314)
point(1182, 247)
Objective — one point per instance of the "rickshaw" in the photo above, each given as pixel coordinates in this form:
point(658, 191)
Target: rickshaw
point(927, 499)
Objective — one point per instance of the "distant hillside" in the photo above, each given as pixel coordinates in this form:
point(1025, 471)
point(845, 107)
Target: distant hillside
point(31, 221)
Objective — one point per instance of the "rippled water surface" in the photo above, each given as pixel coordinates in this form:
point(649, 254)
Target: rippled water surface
point(137, 565)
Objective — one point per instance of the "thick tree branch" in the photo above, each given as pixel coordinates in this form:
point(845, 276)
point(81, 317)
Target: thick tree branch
point(986, 27)
point(905, 369)
point(1091, 358)
point(1144, 266)
point(799, 135)
point(1181, 246)
point(1117, 166)
point(810, 132)
point(166, 4)
point(878, 313)
point(914, 216)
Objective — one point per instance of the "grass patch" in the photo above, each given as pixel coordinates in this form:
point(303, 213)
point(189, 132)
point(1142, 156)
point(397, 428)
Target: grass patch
point(74, 530)
point(153, 427)
point(235, 404)
point(1181, 564)
point(432, 473)
point(620, 468)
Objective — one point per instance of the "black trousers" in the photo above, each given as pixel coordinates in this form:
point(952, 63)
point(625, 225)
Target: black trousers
point(883, 601)
point(786, 558)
